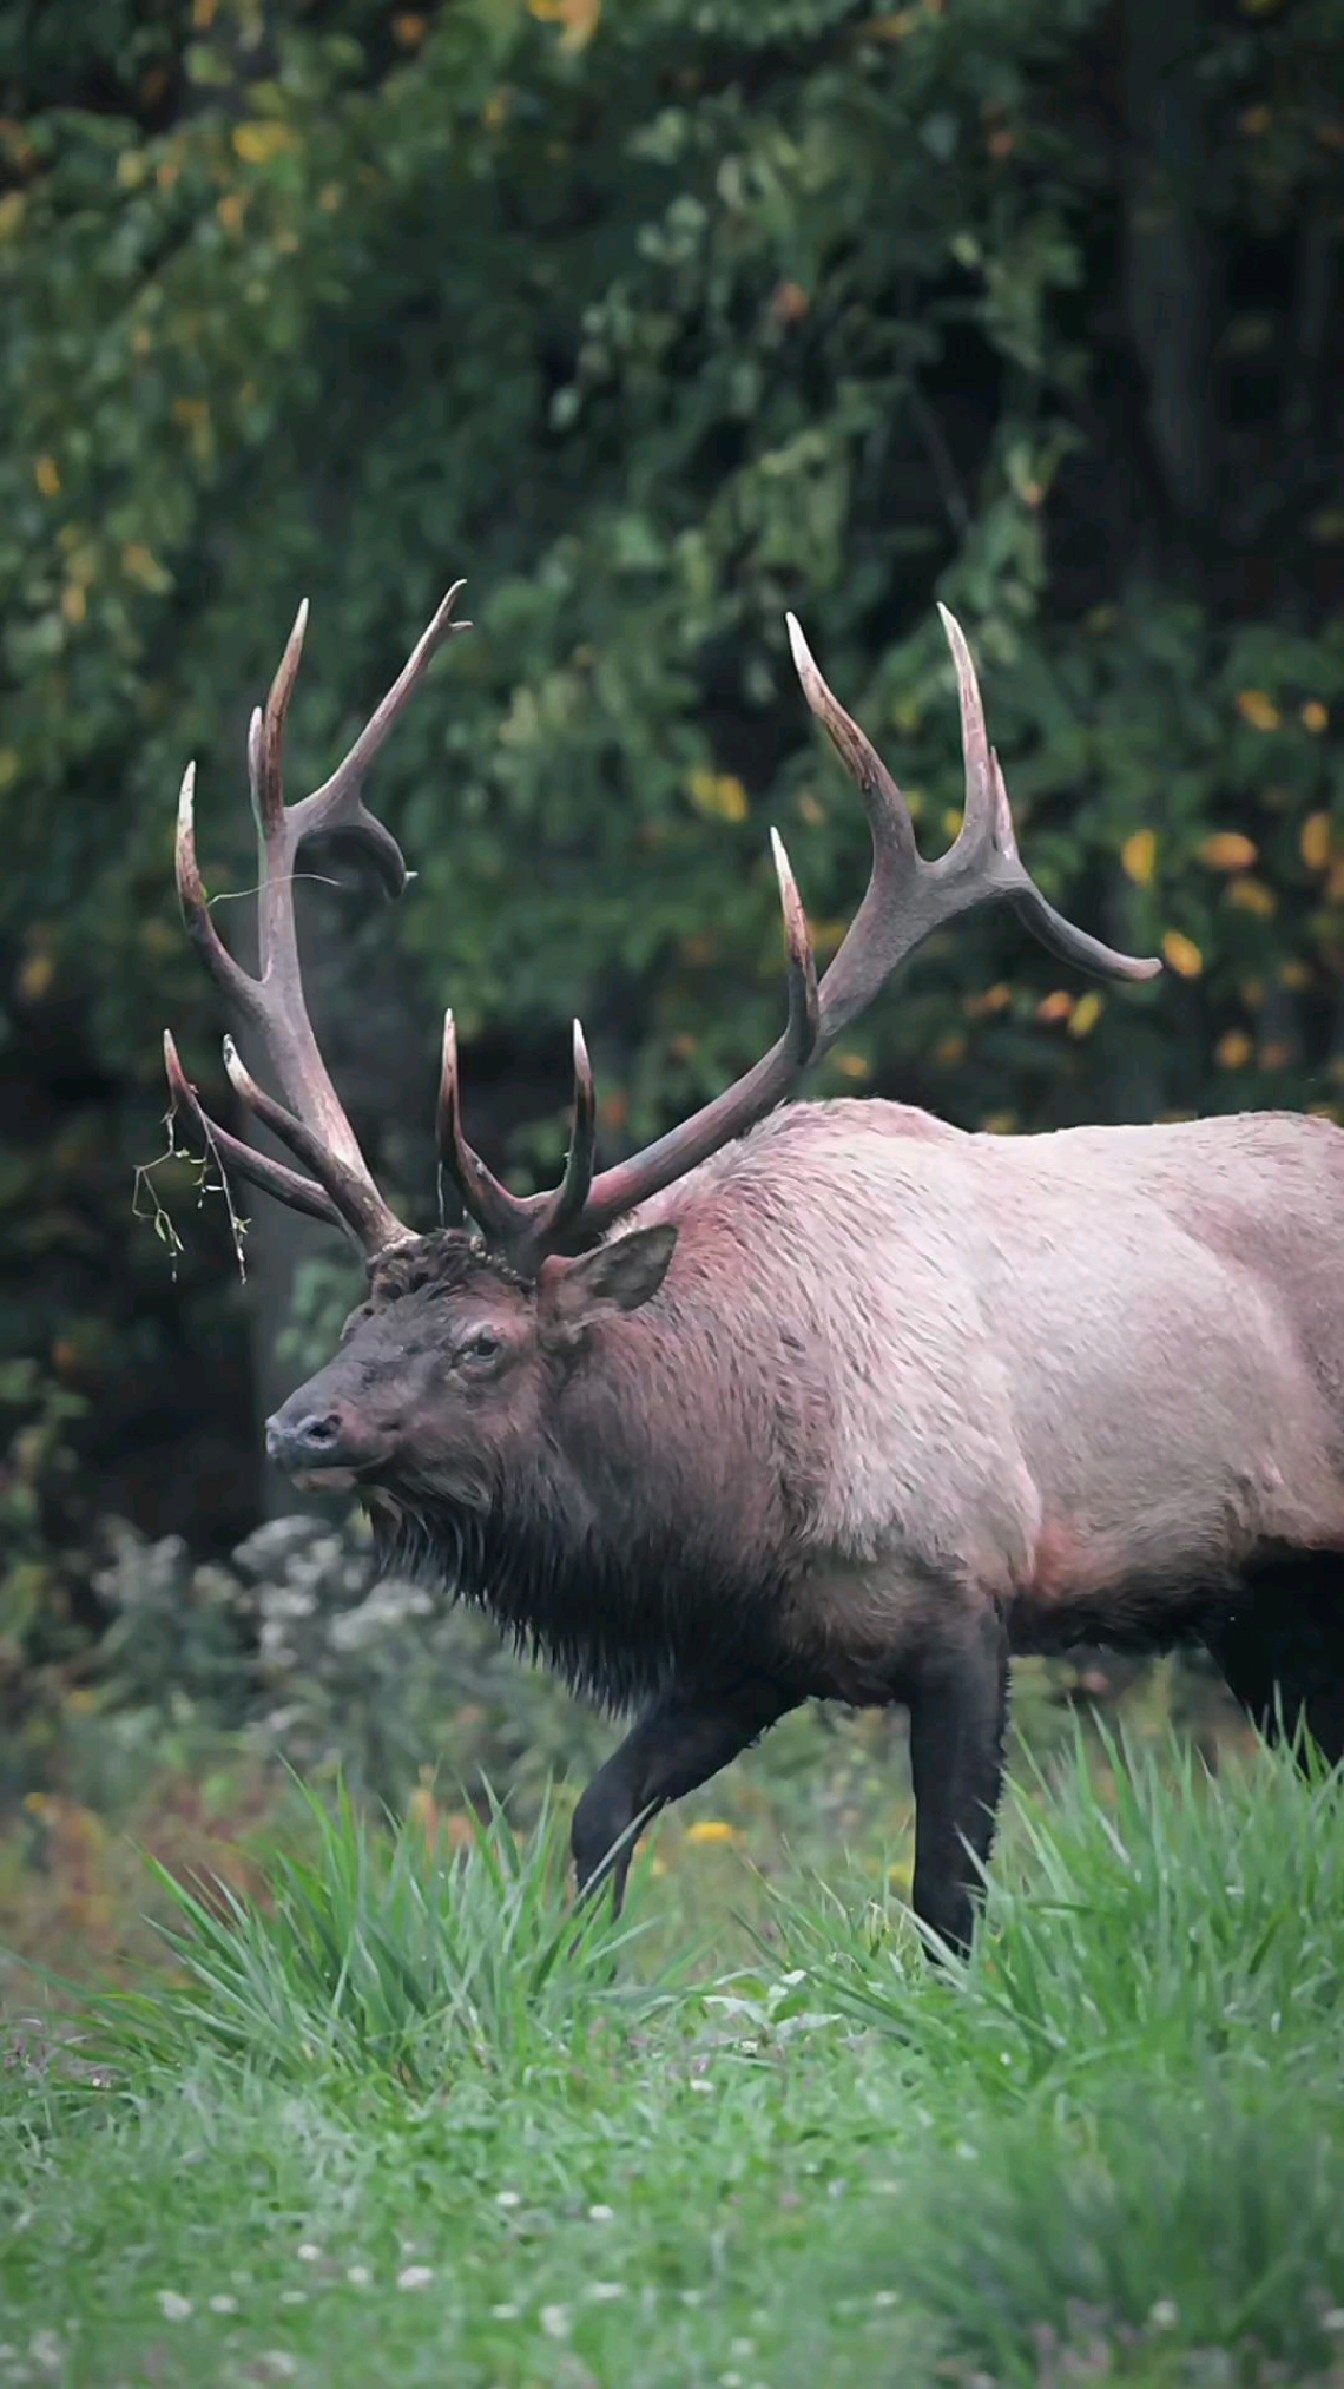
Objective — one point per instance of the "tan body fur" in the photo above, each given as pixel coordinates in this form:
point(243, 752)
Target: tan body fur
point(1102, 1365)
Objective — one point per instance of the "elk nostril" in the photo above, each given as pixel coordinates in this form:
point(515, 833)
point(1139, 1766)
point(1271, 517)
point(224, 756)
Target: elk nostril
point(319, 1434)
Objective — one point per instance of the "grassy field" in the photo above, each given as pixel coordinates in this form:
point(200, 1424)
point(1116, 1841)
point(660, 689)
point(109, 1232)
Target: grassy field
point(397, 2119)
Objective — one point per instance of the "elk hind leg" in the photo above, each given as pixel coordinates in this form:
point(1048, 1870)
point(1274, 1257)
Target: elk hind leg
point(684, 1738)
point(958, 1700)
point(1281, 1650)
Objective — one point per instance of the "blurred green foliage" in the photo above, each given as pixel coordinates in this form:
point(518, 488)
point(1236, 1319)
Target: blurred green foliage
point(654, 319)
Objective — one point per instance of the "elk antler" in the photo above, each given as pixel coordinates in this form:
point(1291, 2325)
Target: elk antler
point(906, 900)
point(311, 1120)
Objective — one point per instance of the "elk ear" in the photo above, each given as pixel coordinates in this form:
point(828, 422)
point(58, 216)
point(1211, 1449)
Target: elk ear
point(618, 1277)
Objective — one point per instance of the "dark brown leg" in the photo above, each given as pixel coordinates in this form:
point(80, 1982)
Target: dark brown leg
point(958, 1717)
point(681, 1741)
point(1281, 1650)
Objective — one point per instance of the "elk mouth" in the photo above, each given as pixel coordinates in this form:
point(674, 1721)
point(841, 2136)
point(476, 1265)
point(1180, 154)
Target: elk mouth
point(323, 1480)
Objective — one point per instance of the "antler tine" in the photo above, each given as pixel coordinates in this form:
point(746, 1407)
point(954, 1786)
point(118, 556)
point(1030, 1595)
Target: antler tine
point(266, 734)
point(984, 861)
point(299, 1193)
point(339, 802)
point(889, 820)
point(228, 975)
point(804, 1011)
point(573, 1190)
point(489, 1203)
point(352, 1195)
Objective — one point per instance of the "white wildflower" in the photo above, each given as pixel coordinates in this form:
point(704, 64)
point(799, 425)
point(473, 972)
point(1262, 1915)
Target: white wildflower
point(173, 2307)
point(415, 2277)
point(555, 2321)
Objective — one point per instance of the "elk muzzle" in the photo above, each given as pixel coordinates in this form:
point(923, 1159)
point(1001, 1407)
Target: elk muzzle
point(323, 1442)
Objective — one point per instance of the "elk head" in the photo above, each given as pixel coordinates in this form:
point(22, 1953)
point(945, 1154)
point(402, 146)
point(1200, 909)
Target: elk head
point(445, 1372)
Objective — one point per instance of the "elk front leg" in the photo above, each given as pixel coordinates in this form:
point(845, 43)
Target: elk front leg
point(683, 1739)
point(958, 1715)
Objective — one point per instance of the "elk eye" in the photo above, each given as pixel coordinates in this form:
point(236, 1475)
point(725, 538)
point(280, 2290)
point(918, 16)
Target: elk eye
point(482, 1346)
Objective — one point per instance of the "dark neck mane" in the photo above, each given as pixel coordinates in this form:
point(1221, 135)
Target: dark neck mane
point(615, 1608)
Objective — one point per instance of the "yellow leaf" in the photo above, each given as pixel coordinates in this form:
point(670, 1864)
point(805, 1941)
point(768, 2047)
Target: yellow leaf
point(999, 1123)
point(409, 30)
point(142, 566)
point(1183, 954)
point(9, 767)
point(1295, 975)
point(35, 977)
point(1233, 1051)
point(12, 208)
point(203, 14)
point(1316, 841)
point(952, 821)
point(790, 303)
point(853, 1065)
point(257, 142)
point(997, 998)
point(950, 1050)
point(74, 603)
point(1259, 710)
point(47, 475)
point(1138, 857)
point(1228, 850)
point(1085, 1015)
point(230, 210)
point(1251, 895)
point(812, 812)
point(719, 794)
point(707, 1831)
point(1314, 717)
point(1056, 1006)
point(579, 18)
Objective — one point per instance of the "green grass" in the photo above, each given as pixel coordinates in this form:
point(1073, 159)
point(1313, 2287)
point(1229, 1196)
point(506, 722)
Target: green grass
point(402, 2118)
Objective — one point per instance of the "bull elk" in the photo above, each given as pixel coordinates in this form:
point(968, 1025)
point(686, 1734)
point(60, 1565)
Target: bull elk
point(830, 1400)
